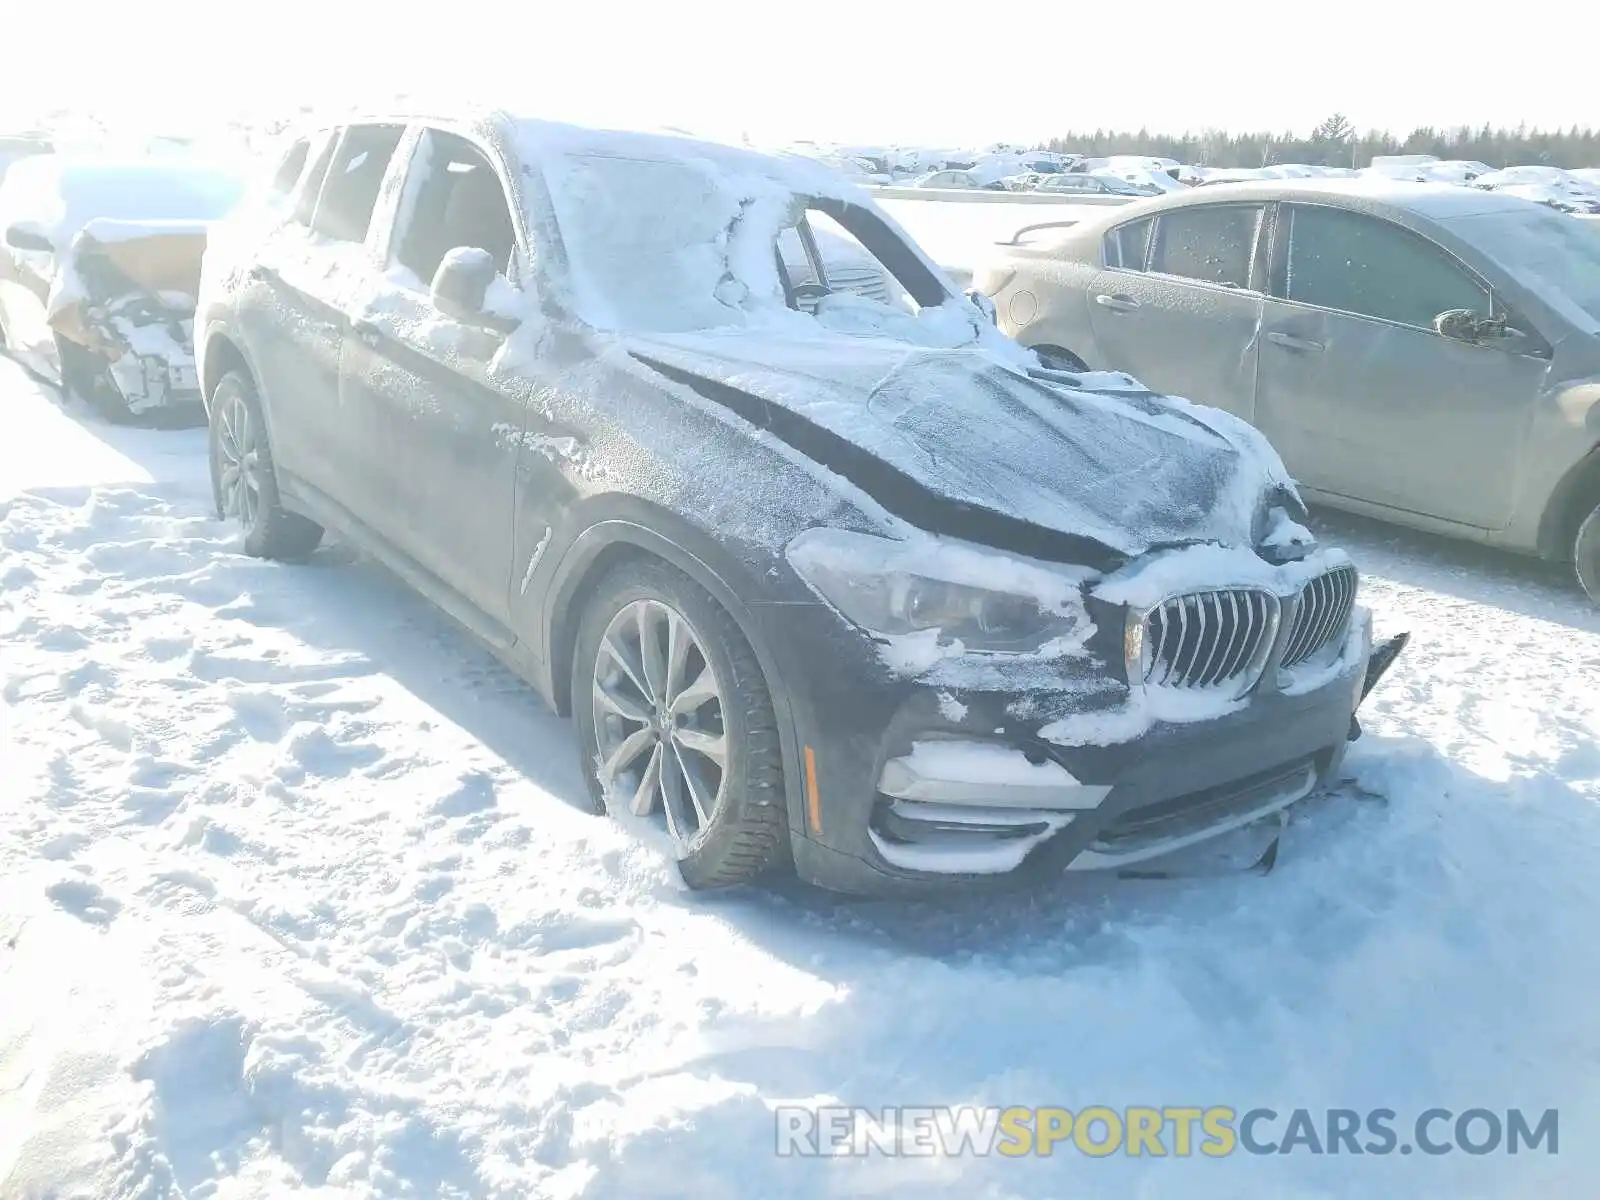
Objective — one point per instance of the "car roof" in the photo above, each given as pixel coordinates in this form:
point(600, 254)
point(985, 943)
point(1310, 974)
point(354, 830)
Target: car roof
point(1364, 193)
point(1410, 203)
point(525, 131)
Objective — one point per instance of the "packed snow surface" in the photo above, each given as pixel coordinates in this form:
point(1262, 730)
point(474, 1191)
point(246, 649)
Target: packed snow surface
point(297, 899)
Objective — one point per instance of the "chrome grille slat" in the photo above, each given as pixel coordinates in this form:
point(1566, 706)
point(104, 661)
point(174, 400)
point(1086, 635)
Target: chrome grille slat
point(1322, 610)
point(1237, 662)
point(1211, 638)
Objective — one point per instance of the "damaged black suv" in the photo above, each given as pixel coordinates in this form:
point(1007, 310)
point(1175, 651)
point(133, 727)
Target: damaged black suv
point(827, 571)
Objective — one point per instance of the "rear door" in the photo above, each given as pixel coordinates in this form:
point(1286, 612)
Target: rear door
point(1179, 302)
point(294, 315)
point(1361, 396)
point(447, 423)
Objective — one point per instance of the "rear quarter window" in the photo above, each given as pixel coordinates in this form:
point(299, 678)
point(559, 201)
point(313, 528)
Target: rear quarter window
point(1128, 246)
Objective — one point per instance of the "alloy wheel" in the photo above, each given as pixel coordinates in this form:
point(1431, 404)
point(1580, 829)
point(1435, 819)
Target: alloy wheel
point(658, 719)
point(239, 444)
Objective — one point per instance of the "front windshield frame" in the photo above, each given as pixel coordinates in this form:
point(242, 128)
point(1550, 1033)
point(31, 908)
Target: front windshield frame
point(750, 202)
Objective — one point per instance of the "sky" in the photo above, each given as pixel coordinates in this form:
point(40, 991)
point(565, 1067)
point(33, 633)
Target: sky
point(865, 71)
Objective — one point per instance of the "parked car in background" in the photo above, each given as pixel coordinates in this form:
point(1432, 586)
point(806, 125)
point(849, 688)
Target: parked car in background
point(16, 146)
point(823, 581)
point(960, 180)
point(1550, 186)
point(99, 269)
point(1090, 185)
point(1425, 353)
point(1149, 182)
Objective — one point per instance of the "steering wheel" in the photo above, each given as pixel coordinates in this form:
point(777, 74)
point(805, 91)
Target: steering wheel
point(808, 291)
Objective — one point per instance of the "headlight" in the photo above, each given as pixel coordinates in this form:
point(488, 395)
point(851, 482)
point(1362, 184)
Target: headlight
point(986, 601)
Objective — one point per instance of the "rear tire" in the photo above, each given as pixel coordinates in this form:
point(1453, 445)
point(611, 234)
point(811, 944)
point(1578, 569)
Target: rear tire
point(1586, 555)
point(663, 684)
point(244, 481)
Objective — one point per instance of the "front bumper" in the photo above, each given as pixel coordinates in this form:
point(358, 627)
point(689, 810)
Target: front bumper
point(909, 787)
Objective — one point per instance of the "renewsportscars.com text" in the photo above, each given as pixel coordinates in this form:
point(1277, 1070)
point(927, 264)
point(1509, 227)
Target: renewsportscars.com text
point(1214, 1131)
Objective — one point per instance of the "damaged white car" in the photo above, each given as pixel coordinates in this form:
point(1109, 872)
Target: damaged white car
point(99, 271)
point(826, 580)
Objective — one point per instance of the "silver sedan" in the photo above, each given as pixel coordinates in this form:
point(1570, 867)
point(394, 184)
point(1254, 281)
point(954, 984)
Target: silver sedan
point(1423, 353)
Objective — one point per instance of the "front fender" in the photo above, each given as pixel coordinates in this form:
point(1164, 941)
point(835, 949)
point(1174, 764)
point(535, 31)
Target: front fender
point(558, 603)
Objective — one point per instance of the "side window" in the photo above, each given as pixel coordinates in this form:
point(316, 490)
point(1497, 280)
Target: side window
point(288, 172)
point(1213, 243)
point(850, 267)
point(1128, 246)
point(354, 174)
point(1361, 264)
point(320, 155)
point(452, 198)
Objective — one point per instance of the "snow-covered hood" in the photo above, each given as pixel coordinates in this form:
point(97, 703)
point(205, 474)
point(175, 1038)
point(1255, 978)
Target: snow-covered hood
point(1115, 465)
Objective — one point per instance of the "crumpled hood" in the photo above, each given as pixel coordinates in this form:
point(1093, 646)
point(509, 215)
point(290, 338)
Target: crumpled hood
point(1117, 465)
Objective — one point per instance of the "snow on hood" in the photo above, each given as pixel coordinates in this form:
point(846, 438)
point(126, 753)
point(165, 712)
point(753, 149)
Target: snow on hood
point(1128, 470)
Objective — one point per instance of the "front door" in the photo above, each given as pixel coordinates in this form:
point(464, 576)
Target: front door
point(1178, 305)
point(428, 388)
point(1362, 398)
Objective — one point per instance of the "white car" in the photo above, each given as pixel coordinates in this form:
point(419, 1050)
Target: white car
point(1552, 186)
point(99, 271)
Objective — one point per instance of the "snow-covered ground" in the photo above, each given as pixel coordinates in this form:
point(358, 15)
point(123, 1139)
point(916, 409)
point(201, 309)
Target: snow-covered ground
point(296, 899)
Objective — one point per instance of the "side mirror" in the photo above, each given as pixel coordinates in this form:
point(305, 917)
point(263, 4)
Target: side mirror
point(460, 288)
point(984, 305)
point(1464, 325)
point(21, 237)
point(461, 284)
point(1458, 324)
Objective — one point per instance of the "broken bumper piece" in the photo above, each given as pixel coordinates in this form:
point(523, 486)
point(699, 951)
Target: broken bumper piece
point(153, 381)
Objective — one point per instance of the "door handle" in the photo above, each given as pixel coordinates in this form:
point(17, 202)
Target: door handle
point(367, 333)
point(1117, 303)
point(1294, 343)
point(259, 274)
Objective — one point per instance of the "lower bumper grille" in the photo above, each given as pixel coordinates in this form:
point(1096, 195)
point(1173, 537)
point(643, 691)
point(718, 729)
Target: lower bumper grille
point(1173, 819)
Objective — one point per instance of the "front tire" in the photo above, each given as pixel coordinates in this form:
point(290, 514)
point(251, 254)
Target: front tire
point(244, 481)
point(1586, 555)
point(675, 722)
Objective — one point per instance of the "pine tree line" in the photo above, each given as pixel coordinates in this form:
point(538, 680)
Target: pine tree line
point(1335, 142)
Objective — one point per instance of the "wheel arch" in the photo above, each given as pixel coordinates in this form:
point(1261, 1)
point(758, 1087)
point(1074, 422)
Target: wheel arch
point(1572, 500)
point(222, 352)
point(1051, 348)
point(606, 544)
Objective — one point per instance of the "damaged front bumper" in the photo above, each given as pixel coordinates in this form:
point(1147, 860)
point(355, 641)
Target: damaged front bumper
point(916, 787)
